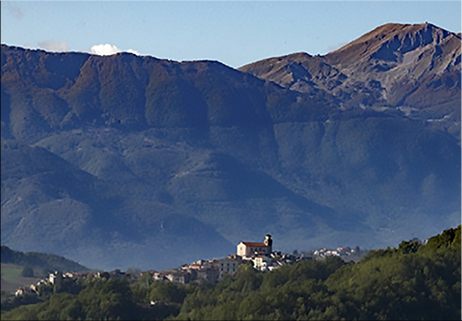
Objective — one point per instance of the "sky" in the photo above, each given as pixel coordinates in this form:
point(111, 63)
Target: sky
point(233, 32)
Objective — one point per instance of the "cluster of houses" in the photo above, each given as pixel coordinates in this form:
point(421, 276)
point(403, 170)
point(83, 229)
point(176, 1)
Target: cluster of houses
point(33, 289)
point(340, 251)
point(260, 254)
point(58, 276)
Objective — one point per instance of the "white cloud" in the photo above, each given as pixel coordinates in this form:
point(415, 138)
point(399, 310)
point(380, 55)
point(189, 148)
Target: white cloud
point(104, 50)
point(133, 52)
point(52, 45)
point(108, 49)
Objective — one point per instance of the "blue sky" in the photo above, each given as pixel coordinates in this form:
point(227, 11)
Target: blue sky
point(233, 32)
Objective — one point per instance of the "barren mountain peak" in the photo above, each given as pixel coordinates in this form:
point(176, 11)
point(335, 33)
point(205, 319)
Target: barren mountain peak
point(391, 37)
point(395, 65)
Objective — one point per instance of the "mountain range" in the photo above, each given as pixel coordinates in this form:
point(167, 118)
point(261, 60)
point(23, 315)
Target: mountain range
point(132, 161)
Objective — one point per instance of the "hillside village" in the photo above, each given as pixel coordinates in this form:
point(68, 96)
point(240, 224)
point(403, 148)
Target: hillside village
point(258, 254)
point(162, 295)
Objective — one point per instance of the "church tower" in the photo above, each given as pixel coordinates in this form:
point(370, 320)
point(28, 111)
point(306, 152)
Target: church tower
point(269, 243)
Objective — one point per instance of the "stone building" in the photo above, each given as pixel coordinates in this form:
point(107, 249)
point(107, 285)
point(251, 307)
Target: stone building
point(250, 249)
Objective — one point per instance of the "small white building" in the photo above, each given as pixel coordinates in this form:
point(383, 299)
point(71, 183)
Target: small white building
point(56, 277)
point(261, 263)
point(19, 291)
point(25, 291)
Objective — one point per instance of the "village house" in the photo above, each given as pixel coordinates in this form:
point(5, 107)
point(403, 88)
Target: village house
point(227, 266)
point(207, 274)
point(56, 277)
point(117, 273)
point(262, 263)
point(179, 276)
point(19, 291)
point(25, 291)
point(160, 276)
point(183, 277)
point(76, 275)
point(202, 270)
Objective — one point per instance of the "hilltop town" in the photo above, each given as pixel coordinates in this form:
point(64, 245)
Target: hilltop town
point(204, 289)
point(259, 255)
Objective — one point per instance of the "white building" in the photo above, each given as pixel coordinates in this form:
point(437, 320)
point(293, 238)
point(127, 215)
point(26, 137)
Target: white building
point(250, 249)
point(261, 263)
point(56, 277)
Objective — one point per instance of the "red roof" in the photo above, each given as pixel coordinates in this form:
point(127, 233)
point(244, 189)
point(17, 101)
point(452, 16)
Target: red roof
point(253, 244)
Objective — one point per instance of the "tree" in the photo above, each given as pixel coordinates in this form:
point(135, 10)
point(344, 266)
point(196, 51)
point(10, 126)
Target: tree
point(146, 279)
point(409, 247)
point(167, 292)
point(27, 272)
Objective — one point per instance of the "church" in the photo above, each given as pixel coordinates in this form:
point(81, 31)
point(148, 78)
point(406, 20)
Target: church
point(250, 249)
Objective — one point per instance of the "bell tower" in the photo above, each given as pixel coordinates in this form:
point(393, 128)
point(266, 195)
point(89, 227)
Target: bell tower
point(269, 243)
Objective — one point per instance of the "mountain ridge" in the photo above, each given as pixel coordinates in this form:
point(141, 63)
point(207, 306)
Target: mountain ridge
point(395, 66)
point(162, 162)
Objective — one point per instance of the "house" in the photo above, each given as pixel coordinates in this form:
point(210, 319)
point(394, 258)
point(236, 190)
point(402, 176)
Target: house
point(227, 266)
point(160, 276)
point(75, 275)
point(19, 291)
point(261, 263)
point(183, 277)
point(250, 249)
point(25, 291)
point(117, 273)
point(179, 276)
point(207, 274)
point(56, 277)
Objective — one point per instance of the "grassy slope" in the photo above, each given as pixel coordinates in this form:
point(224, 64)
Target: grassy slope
point(12, 279)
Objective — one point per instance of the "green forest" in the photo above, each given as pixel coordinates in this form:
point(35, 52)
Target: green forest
point(414, 281)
